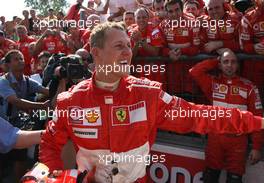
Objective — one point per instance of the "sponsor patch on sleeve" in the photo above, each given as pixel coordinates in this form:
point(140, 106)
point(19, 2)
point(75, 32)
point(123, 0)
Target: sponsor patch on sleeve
point(258, 105)
point(165, 97)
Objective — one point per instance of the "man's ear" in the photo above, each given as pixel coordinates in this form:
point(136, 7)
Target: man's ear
point(94, 52)
point(219, 62)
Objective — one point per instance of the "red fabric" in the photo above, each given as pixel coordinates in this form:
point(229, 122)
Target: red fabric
point(86, 36)
point(152, 35)
point(251, 32)
point(53, 44)
point(133, 96)
point(178, 78)
point(225, 92)
point(7, 45)
point(73, 13)
point(23, 47)
point(226, 33)
point(226, 152)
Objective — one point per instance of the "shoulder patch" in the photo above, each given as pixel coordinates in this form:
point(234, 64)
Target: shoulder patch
point(143, 82)
point(82, 86)
point(246, 81)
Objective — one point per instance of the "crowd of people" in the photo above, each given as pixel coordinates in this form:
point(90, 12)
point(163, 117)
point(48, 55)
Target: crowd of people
point(165, 29)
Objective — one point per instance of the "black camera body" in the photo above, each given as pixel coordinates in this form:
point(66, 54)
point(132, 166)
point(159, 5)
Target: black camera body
point(71, 67)
point(243, 5)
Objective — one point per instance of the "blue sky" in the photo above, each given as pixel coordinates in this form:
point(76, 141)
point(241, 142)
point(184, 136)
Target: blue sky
point(10, 8)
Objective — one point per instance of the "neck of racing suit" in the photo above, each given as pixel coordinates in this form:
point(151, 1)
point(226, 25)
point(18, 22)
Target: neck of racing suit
point(107, 86)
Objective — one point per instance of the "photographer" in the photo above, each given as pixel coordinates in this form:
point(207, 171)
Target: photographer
point(52, 41)
point(64, 71)
point(16, 91)
point(87, 61)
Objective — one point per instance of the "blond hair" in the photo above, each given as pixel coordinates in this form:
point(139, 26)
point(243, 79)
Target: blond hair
point(98, 35)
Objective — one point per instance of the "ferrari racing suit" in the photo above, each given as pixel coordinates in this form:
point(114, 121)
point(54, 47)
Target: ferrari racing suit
point(123, 122)
point(228, 151)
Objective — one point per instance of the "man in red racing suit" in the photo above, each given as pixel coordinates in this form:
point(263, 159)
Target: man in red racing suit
point(114, 115)
point(251, 39)
point(228, 151)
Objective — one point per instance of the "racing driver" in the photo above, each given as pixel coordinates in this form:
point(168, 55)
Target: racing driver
point(114, 113)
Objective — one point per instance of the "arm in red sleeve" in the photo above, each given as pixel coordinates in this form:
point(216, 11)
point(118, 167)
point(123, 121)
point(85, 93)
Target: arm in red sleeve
point(255, 107)
point(72, 12)
point(176, 114)
point(53, 141)
point(192, 50)
point(194, 39)
point(246, 36)
point(200, 74)
point(232, 44)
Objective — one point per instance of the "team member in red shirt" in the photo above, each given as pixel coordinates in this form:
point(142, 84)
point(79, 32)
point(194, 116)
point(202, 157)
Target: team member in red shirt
point(251, 37)
point(159, 12)
point(52, 41)
point(93, 20)
point(128, 18)
point(219, 35)
point(5, 44)
point(181, 40)
point(146, 40)
point(192, 8)
point(74, 39)
point(23, 46)
point(230, 91)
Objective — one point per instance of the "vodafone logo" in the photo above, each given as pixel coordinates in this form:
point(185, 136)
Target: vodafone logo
point(172, 175)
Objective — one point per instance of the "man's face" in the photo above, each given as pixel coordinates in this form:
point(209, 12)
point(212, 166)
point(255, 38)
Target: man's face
point(80, 1)
point(22, 33)
point(51, 13)
point(25, 13)
point(32, 13)
point(215, 9)
point(142, 19)
point(159, 9)
point(17, 63)
point(116, 54)
point(129, 19)
point(191, 8)
point(174, 11)
point(229, 64)
point(42, 63)
point(2, 19)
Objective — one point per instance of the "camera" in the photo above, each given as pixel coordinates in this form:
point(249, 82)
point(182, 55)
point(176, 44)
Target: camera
point(243, 5)
point(72, 68)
